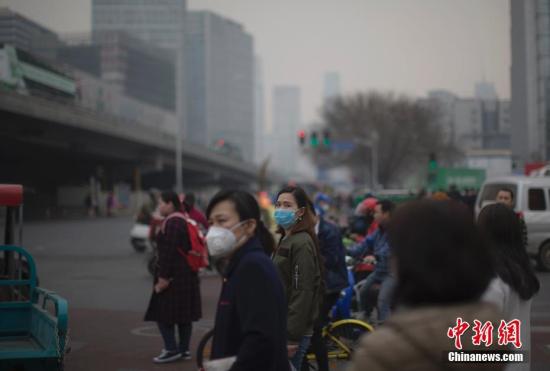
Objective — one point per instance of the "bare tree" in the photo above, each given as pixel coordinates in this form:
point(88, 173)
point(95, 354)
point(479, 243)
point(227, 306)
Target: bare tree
point(407, 132)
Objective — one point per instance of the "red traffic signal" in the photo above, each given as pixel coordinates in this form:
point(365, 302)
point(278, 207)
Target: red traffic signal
point(302, 137)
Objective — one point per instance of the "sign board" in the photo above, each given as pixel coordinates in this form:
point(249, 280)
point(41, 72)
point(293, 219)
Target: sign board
point(342, 146)
point(460, 177)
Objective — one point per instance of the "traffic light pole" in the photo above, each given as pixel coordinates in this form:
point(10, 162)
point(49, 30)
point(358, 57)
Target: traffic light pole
point(180, 111)
point(374, 165)
point(372, 143)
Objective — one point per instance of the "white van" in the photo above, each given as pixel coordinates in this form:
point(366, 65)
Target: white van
point(532, 199)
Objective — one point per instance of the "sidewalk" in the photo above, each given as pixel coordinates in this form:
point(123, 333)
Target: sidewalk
point(109, 340)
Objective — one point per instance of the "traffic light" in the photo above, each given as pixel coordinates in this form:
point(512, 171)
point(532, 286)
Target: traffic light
point(432, 171)
point(314, 140)
point(326, 138)
point(220, 143)
point(432, 164)
point(302, 137)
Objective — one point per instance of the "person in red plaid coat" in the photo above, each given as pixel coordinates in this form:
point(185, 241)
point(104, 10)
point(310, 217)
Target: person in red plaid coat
point(176, 296)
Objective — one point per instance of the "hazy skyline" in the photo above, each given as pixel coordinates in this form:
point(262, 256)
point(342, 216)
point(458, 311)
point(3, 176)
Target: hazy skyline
point(404, 46)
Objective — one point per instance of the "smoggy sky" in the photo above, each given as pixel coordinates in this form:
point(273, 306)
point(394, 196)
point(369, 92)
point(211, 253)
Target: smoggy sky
point(405, 46)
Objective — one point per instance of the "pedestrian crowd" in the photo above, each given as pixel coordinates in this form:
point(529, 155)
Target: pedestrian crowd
point(432, 268)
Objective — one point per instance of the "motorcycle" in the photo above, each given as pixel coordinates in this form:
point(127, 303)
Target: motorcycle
point(139, 237)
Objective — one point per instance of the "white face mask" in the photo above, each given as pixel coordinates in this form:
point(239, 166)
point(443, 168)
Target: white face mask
point(221, 241)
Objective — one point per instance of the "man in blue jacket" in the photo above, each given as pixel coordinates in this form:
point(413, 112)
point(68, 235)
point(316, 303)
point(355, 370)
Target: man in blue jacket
point(377, 245)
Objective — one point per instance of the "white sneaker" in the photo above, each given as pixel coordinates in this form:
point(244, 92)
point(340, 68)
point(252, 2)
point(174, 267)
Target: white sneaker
point(166, 356)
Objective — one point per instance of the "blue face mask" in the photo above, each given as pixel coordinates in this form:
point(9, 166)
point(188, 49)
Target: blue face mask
point(286, 218)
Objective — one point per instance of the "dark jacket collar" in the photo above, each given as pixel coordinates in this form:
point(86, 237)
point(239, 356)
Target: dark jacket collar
point(251, 245)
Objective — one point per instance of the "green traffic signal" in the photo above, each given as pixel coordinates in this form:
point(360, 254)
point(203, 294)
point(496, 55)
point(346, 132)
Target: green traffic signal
point(432, 163)
point(314, 140)
point(326, 138)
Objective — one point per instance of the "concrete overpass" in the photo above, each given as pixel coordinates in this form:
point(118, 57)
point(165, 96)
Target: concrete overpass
point(45, 143)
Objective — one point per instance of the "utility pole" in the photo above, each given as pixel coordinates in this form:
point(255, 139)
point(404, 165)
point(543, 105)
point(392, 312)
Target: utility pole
point(372, 143)
point(180, 102)
point(374, 157)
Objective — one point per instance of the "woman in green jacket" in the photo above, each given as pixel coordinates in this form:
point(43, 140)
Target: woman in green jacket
point(298, 261)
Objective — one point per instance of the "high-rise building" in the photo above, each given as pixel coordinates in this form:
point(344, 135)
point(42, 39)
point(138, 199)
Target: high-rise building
point(443, 101)
point(157, 22)
point(530, 80)
point(331, 86)
point(219, 58)
point(260, 129)
point(27, 35)
point(287, 120)
point(138, 69)
point(485, 91)
point(470, 123)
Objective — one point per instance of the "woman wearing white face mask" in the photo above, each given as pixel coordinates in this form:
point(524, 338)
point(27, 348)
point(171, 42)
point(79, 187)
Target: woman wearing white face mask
point(251, 315)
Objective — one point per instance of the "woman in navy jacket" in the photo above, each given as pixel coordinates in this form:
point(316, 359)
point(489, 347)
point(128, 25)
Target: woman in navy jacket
point(251, 315)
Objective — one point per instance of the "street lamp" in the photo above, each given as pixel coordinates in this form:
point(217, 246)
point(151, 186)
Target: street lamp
point(372, 143)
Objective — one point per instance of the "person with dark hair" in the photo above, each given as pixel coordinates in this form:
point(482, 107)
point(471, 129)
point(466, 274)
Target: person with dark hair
point(442, 270)
point(505, 196)
point(515, 283)
point(298, 260)
point(176, 296)
point(251, 315)
point(377, 249)
point(193, 212)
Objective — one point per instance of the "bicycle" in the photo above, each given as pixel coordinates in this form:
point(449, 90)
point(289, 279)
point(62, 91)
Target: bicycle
point(341, 338)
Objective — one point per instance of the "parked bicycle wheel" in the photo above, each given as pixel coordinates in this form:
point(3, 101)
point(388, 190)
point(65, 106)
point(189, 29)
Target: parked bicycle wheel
point(204, 349)
point(342, 337)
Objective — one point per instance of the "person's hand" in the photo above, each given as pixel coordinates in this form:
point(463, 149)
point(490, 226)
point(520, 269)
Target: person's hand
point(162, 285)
point(370, 259)
point(291, 350)
point(354, 236)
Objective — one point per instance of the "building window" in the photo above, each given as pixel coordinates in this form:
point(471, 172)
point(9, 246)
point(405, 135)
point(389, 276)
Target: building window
point(543, 6)
point(537, 202)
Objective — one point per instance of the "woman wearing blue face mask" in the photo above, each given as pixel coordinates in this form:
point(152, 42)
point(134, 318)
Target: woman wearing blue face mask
point(251, 315)
point(299, 264)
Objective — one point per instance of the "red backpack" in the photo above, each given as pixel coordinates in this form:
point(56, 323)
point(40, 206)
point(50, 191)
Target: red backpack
point(197, 256)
